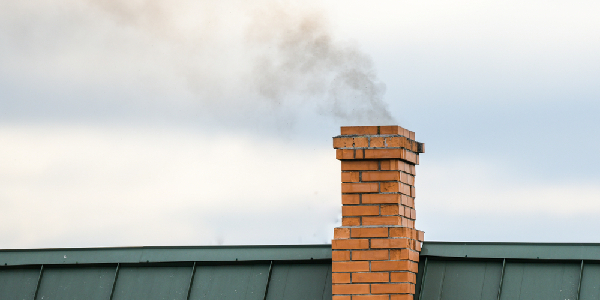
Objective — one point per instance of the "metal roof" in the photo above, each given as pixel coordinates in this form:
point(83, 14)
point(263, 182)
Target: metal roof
point(447, 271)
point(144, 273)
point(508, 271)
point(67, 256)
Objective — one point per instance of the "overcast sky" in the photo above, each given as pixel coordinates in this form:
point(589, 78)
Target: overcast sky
point(154, 122)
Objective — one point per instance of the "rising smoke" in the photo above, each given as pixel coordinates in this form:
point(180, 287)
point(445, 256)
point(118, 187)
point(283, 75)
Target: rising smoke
point(300, 57)
point(236, 53)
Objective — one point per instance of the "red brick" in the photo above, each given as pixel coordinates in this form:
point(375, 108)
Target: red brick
point(413, 146)
point(369, 232)
point(404, 222)
point(340, 255)
point(413, 255)
point(404, 189)
point(408, 201)
point(350, 199)
point(359, 130)
point(421, 147)
point(390, 210)
point(371, 187)
point(351, 289)
point(412, 170)
point(371, 277)
point(395, 164)
point(381, 176)
point(403, 177)
point(403, 200)
point(411, 135)
point(388, 243)
point(404, 254)
point(340, 278)
point(380, 198)
point(385, 153)
point(406, 132)
point(403, 232)
point(370, 297)
point(344, 154)
point(411, 244)
point(350, 244)
point(359, 154)
point(410, 179)
point(350, 177)
point(342, 298)
point(350, 221)
point(411, 157)
point(377, 142)
point(341, 233)
point(400, 297)
point(394, 265)
point(392, 220)
point(370, 255)
point(360, 165)
point(403, 277)
point(339, 142)
point(389, 165)
point(398, 142)
point(390, 187)
point(349, 142)
point(350, 266)
point(392, 129)
point(406, 211)
point(360, 210)
point(393, 288)
point(399, 254)
point(420, 235)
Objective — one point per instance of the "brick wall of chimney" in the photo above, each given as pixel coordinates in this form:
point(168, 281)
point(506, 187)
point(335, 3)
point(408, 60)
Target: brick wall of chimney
point(376, 250)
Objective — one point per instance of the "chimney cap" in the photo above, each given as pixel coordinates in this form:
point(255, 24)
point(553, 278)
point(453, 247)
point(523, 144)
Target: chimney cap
point(377, 130)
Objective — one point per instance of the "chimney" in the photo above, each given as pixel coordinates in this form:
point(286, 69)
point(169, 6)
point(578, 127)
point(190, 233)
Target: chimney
point(376, 250)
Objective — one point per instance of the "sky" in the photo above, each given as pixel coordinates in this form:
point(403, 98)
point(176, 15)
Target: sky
point(154, 122)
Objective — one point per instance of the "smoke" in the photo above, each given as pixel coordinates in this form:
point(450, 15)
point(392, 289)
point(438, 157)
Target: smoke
point(301, 58)
point(232, 55)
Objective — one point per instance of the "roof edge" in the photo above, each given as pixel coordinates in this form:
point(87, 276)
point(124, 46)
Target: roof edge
point(548, 251)
point(154, 254)
point(159, 254)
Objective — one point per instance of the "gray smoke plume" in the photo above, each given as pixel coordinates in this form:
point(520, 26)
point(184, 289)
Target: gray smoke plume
point(284, 56)
point(301, 58)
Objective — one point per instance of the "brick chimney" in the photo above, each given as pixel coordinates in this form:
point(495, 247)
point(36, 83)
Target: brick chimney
point(376, 250)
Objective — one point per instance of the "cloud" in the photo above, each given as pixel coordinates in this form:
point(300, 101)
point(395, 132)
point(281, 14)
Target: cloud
point(110, 107)
point(86, 186)
point(68, 186)
point(483, 200)
point(268, 55)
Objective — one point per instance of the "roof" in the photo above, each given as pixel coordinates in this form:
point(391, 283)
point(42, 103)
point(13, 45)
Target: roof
point(220, 272)
point(446, 271)
point(508, 271)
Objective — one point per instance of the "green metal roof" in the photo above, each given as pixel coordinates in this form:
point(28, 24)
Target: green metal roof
point(447, 271)
point(513, 250)
point(144, 273)
point(69, 256)
point(508, 271)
